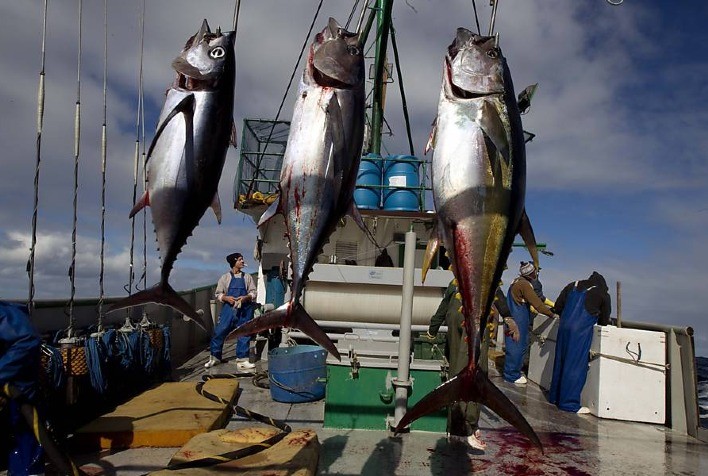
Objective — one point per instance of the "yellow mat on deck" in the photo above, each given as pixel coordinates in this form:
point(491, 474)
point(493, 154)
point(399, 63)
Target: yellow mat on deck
point(295, 455)
point(165, 416)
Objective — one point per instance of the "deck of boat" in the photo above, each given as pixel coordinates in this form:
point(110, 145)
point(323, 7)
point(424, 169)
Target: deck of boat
point(574, 444)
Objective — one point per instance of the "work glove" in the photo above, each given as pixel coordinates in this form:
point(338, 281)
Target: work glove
point(512, 329)
point(430, 336)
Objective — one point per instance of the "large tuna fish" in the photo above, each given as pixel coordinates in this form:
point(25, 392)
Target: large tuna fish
point(187, 155)
point(479, 182)
point(320, 166)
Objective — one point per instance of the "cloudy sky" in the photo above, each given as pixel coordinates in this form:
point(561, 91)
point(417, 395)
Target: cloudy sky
point(617, 171)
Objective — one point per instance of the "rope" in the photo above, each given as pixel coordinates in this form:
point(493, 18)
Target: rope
point(351, 15)
point(166, 344)
point(77, 141)
point(237, 12)
point(400, 85)
point(40, 125)
point(495, 4)
point(282, 101)
point(476, 16)
point(649, 365)
point(131, 266)
point(104, 142)
point(55, 366)
point(95, 357)
point(243, 452)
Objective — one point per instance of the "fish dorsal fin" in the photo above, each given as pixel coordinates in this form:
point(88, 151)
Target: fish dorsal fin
point(494, 129)
point(431, 250)
point(432, 137)
point(142, 203)
point(186, 107)
point(526, 232)
point(272, 210)
point(216, 206)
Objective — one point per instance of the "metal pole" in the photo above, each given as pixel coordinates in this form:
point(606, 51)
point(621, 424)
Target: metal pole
point(402, 382)
point(619, 304)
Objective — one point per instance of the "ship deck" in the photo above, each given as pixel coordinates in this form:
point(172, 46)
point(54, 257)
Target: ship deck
point(573, 444)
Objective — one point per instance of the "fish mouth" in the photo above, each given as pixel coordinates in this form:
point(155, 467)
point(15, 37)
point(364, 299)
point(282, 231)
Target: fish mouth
point(462, 93)
point(191, 83)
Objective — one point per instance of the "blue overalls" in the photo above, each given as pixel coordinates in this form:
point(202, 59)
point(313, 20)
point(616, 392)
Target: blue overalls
point(514, 359)
point(230, 318)
point(570, 368)
point(19, 366)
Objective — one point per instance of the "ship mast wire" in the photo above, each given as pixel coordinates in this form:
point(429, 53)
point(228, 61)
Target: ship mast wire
point(351, 14)
point(136, 157)
point(40, 125)
point(77, 141)
point(104, 143)
point(476, 16)
point(495, 4)
point(237, 12)
point(282, 101)
point(400, 86)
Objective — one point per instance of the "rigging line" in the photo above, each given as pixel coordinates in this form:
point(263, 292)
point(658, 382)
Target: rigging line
point(77, 141)
point(494, 17)
point(282, 101)
point(136, 155)
point(476, 16)
point(143, 277)
point(104, 143)
point(364, 7)
point(351, 14)
point(237, 12)
point(40, 125)
point(400, 85)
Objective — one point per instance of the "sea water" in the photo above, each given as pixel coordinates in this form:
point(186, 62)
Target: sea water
point(702, 373)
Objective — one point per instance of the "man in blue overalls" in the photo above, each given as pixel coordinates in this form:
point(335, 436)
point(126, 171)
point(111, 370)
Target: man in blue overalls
point(520, 298)
point(237, 291)
point(581, 304)
point(19, 367)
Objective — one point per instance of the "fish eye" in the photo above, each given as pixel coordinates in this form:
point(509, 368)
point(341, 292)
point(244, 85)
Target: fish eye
point(217, 52)
point(493, 53)
point(353, 50)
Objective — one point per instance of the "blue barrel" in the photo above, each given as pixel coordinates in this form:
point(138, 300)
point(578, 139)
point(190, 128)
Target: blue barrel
point(367, 194)
point(297, 374)
point(401, 182)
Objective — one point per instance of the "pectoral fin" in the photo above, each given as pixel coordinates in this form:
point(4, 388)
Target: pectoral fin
point(272, 210)
point(430, 250)
point(186, 107)
point(216, 206)
point(494, 129)
point(142, 203)
point(526, 232)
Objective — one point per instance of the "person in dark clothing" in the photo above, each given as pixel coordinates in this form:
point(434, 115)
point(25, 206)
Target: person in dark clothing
point(384, 259)
point(462, 417)
point(19, 367)
point(581, 305)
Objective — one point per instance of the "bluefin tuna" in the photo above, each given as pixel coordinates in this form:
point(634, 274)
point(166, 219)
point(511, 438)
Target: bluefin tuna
point(187, 154)
point(479, 183)
point(319, 169)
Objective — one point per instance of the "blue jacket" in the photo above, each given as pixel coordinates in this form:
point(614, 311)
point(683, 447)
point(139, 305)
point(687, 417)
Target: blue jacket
point(19, 349)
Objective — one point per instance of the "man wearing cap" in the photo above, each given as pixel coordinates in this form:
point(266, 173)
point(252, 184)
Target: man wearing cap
point(237, 291)
point(521, 297)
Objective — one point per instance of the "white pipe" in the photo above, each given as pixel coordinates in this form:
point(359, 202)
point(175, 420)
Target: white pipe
point(402, 381)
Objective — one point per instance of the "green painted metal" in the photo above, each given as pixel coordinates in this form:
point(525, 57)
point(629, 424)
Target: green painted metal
point(363, 403)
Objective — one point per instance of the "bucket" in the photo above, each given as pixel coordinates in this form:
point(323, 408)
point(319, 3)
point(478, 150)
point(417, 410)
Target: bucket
point(297, 374)
point(367, 194)
point(401, 181)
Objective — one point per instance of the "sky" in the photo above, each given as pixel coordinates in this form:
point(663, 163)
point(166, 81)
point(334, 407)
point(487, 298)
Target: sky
point(617, 171)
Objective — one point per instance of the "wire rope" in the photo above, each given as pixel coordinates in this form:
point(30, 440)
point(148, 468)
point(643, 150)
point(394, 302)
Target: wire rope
point(104, 147)
point(476, 16)
point(77, 141)
point(40, 125)
point(136, 157)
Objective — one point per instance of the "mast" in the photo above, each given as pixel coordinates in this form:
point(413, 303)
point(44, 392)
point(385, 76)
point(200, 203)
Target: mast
point(383, 23)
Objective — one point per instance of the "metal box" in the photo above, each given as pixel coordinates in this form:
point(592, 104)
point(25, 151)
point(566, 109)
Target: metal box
point(543, 350)
point(627, 375)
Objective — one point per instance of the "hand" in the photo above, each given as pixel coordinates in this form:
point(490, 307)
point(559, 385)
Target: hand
point(229, 300)
point(512, 329)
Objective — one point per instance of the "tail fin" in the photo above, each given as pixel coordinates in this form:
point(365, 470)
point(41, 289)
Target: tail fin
point(289, 316)
point(471, 385)
point(164, 295)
